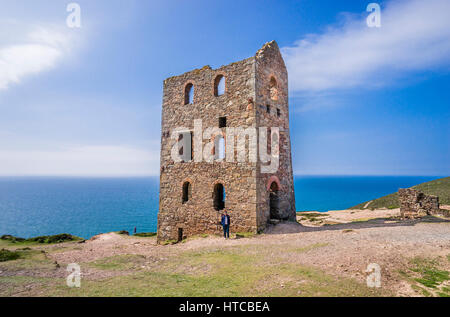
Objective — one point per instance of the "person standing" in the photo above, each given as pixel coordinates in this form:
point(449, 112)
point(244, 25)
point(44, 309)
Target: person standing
point(226, 224)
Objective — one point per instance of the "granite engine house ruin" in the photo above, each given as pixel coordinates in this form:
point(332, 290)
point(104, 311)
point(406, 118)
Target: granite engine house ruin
point(249, 94)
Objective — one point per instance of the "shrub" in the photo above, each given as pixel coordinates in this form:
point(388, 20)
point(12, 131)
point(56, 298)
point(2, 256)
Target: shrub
point(169, 242)
point(6, 255)
point(11, 238)
point(145, 234)
point(240, 235)
point(58, 238)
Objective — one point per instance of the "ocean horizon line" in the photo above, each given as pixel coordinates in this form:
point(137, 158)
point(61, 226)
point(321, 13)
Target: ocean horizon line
point(153, 176)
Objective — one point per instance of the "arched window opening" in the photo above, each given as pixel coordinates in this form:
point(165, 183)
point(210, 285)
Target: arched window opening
point(189, 94)
point(219, 85)
point(273, 89)
point(187, 192)
point(274, 201)
point(219, 197)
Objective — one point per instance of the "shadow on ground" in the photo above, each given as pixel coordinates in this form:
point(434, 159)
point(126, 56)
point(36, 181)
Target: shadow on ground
point(295, 227)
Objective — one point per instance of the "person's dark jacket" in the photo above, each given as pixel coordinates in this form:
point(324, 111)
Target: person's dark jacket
point(222, 222)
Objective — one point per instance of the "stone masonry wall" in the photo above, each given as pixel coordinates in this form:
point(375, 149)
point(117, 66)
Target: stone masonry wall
point(270, 64)
point(414, 203)
point(246, 198)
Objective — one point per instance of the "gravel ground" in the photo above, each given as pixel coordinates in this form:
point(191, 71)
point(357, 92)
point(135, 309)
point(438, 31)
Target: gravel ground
point(344, 249)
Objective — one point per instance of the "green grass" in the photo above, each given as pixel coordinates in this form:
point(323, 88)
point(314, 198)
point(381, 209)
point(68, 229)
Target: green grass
point(58, 238)
point(439, 187)
point(29, 260)
point(24, 285)
point(226, 272)
point(145, 234)
point(244, 270)
point(431, 277)
point(421, 290)
point(427, 277)
point(362, 219)
point(12, 239)
point(22, 253)
point(311, 216)
point(245, 234)
point(9, 240)
point(119, 262)
point(445, 293)
point(6, 255)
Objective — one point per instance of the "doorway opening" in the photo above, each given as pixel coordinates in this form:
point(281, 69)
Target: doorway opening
point(180, 234)
point(219, 197)
point(274, 201)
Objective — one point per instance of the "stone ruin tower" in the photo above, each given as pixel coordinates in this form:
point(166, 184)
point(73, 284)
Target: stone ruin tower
point(252, 93)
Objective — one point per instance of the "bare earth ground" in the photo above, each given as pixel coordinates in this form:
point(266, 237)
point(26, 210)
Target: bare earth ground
point(325, 255)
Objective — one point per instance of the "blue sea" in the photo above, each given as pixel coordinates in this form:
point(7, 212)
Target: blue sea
point(85, 207)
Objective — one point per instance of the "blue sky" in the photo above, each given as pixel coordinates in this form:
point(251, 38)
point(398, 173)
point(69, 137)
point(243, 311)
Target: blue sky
point(86, 101)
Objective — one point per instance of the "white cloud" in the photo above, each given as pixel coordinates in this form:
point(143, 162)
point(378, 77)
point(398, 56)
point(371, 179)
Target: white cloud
point(30, 53)
point(80, 161)
point(414, 37)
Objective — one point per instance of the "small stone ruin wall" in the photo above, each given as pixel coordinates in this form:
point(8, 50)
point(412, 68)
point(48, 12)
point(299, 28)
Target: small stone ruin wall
point(414, 204)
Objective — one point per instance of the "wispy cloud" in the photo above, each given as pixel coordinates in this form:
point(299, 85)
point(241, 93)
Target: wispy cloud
point(414, 37)
point(307, 102)
point(37, 50)
point(101, 160)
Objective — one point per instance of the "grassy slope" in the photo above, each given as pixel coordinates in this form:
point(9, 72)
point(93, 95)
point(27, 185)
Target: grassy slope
point(439, 187)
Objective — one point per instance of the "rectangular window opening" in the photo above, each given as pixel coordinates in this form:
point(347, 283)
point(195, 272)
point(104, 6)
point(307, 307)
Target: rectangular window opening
point(186, 150)
point(192, 146)
point(222, 122)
